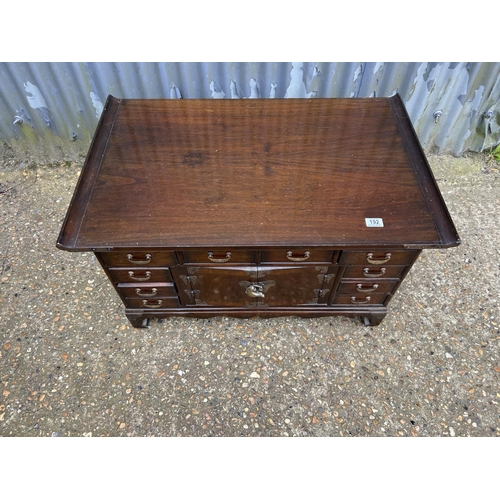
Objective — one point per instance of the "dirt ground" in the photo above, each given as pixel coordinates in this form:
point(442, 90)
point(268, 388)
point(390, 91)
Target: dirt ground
point(71, 364)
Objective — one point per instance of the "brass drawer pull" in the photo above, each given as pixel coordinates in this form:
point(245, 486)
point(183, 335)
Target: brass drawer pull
point(360, 287)
point(371, 260)
point(355, 300)
point(289, 256)
point(146, 277)
point(131, 259)
point(368, 274)
point(213, 259)
point(141, 294)
point(158, 304)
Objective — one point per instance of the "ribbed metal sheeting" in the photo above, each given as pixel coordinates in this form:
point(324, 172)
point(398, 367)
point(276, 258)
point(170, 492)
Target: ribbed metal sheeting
point(54, 107)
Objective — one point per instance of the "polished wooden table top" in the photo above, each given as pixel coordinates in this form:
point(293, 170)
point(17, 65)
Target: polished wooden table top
point(255, 173)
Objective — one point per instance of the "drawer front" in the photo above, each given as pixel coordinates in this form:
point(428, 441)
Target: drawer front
point(359, 299)
point(139, 258)
point(153, 303)
point(139, 275)
point(295, 255)
point(366, 287)
point(373, 272)
point(378, 257)
point(156, 290)
point(218, 256)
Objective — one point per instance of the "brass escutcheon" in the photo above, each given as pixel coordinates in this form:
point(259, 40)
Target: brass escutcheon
point(257, 289)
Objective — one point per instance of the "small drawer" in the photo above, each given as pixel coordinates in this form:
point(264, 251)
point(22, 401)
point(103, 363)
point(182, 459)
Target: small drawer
point(373, 272)
point(163, 303)
point(139, 275)
point(378, 257)
point(141, 258)
point(151, 290)
point(294, 255)
point(218, 256)
point(359, 299)
point(366, 287)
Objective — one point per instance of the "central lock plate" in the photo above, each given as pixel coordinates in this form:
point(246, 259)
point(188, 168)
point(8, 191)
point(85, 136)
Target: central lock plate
point(257, 289)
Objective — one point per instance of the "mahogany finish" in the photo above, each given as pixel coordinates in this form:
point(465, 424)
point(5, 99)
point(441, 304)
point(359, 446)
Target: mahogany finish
point(256, 207)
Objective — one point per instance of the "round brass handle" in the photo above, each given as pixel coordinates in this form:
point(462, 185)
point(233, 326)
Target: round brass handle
point(131, 259)
point(355, 300)
point(360, 287)
point(146, 277)
point(368, 274)
point(158, 304)
point(255, 291)
point(139, 292)
point(213, 259)
point(289, 256)
point(383, 260)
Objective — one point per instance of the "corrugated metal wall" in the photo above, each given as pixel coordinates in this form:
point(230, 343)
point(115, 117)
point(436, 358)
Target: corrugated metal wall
point(53, 108)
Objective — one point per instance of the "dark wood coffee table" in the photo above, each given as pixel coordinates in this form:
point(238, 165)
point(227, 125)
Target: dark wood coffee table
point(265, 207)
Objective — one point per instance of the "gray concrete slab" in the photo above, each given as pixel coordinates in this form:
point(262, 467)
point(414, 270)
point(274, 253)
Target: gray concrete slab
point(71, 364)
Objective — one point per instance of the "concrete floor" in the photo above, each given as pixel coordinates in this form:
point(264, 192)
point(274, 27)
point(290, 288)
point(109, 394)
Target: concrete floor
point(71, 364)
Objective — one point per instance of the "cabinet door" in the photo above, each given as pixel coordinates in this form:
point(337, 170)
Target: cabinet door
point(292, 286)
point(218, 286)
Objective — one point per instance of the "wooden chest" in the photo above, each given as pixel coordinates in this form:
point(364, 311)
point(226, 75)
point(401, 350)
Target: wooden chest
point(265, 207)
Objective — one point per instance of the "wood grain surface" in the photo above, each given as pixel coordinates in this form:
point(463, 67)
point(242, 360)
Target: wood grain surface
point(254, 173)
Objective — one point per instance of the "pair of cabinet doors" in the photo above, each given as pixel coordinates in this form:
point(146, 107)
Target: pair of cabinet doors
point(254, 286)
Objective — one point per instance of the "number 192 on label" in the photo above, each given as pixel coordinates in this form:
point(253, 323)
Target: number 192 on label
point(374, 222)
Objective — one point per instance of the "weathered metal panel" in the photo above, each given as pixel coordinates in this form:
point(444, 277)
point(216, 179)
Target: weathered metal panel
point(53, 108)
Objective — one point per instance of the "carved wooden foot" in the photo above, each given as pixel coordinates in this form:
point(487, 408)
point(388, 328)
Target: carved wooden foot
point(138, 321)
point(374, 319)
